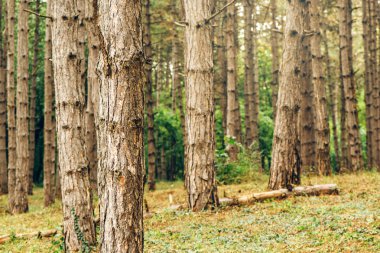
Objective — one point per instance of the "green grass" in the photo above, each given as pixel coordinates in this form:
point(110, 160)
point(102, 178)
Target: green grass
point(349, 222)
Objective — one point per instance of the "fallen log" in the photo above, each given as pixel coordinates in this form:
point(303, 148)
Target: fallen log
point(315, 190)
point(45, 234)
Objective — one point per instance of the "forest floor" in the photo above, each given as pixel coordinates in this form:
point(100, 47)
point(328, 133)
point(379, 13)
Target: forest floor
point(349, 222)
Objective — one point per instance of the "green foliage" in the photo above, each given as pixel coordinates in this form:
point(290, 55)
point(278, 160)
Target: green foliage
point(79, 233)
point(58, 242)
point(239, 171)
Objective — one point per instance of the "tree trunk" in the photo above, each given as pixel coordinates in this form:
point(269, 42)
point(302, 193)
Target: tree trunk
point(333, 105)
point(149, 96)
point(49, 128)
point(3, 107)
point(70, 101)
point(22, 131)
point(32, 106)
point(256, 84)
point(200, 171)
point(275, 58)
point(92, 91)
point(307, 108)
point(232, 105)
point(373, 89)
point(11, 104)
point(249, 73)
point(351, 112)
point(286, 161)
point(121, 126)
point(322, 129)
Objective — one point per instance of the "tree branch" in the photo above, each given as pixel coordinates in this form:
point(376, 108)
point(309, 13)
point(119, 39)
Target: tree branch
point(37, 14)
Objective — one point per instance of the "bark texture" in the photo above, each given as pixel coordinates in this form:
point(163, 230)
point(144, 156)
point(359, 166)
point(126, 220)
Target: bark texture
point(11, 104)
point(3, 107)
point(22, 130)
point(121, 118)
point(49, 127)
point(149, 97)
point(307, 123)
point(70, 101)
point(32, 101)
point(351, 111)
point(92, 92)
point(200, 166)
point(286, 163)
point(322, 129)
point(232, 93)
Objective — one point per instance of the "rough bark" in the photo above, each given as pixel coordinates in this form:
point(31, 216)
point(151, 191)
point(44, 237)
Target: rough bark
point(275, 57)
point(307, 106)
point(121, 126)
point(351, 111)
point(286, 161)
point(249, 69)
point(200, 165)
point(32, 101)
point(70, 102)
point(11, 104)
point(3, 107)
point(149, 97)
point(49, 128)
point(22, 130)
point(92, 92)
point(256, 85)
point(332, 102)
point(322, 129)
point(232, 105)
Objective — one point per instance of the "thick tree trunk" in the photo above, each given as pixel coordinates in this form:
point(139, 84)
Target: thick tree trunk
point(70, 101)
point(3, 107)
point(200, 171)
point(322, 129)
point(256, 85)
point(92, 92)
point(121, 126)
point(275, 58)
point(49, 127)
point(22, 130)
point(332, 102)
point(249, 74)
point(351, 111)
point(286, 161)
point(11, 104)
point(232, 92)
point(307, 129)
point(32, 106)
point(149, 97)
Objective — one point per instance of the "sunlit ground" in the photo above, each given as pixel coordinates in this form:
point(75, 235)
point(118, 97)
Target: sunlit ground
point(349, 222)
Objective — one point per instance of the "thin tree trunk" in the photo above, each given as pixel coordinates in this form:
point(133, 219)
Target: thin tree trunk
point(49, 128)
point(275, 58)
point(232, 105)
point(92, 91)
point(22, 130)
point(286, 161)
point(121, 126)
point(307, 107)
point(351, 111)
point(333, 105)
point(32, 106)
point(70, 101)
point(200, 177)
point(11, 104)
point(149, 96)
point(322, 129)
point(256, 84)
point(249, 69)
point(3, 106)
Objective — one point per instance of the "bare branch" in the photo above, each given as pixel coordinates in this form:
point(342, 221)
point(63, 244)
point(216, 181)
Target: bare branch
point(37, 14)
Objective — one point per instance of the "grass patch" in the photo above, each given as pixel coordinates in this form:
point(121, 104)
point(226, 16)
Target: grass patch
point(346, 223)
